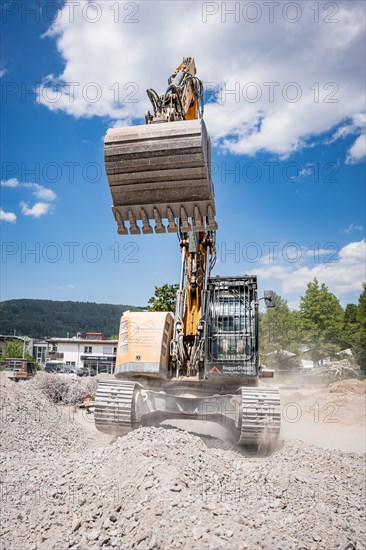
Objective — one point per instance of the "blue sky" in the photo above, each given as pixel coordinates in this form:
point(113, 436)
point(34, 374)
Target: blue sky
point(288, 158)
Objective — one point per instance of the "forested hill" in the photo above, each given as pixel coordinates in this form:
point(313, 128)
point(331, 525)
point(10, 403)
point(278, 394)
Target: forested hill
point(41, 318)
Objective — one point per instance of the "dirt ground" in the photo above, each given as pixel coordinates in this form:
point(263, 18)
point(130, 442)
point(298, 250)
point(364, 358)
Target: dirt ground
point(66, 485)
point(315, 416)
point(329, 420)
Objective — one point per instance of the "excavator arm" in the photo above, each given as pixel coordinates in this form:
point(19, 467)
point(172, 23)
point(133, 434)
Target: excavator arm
point(182, 100)
point(161, 170)
point(187, 345)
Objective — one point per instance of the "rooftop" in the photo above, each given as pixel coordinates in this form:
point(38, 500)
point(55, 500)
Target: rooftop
point(81, 340)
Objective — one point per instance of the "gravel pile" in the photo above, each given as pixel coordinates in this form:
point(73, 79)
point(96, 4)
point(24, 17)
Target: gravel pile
point(348, 386)
point(164, 488)
point(336, 370)
point(64, 389)
point(31, 423)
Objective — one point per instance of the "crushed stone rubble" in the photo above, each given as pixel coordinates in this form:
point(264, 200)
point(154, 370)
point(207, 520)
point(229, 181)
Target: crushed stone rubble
point(352, 386)
point(335, 370)
point(166, 488)
point(31, 423)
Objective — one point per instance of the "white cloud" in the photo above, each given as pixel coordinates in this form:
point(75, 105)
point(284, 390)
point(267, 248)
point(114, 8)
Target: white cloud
point(340, 133)
point(41, 192)
point(64, 287)
point(314, 253)
point(293, 304)
point(357, 151)
point(37, 210)
point(353, 126)
point(7, 216)
point(307, 170)
point(353, 227)
point(113, 55)
point(343, 276)
point(12, 182)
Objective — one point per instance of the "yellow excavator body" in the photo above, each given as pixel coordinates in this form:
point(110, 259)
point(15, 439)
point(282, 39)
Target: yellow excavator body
point(203, 363)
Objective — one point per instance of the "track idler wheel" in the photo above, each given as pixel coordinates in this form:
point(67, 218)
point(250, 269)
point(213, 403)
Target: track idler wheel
point(258, 419)
point(115, 409)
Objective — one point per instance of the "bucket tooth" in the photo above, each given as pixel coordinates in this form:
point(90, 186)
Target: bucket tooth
point(198, 224)
point(146, 227)
point(121, 228)
point(211, 222)
point(172, 226)
point(159, 227)
point(134, 228)
point(185, 225)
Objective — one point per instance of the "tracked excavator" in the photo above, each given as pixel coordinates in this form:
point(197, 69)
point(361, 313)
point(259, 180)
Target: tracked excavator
point(203, 362)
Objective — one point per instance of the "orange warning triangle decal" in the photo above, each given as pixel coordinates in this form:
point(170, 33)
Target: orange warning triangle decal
point(215, 369)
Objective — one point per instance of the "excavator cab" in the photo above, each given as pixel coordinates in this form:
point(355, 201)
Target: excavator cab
point(232, 329)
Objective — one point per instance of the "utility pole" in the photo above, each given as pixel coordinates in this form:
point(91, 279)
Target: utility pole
point(24, 340)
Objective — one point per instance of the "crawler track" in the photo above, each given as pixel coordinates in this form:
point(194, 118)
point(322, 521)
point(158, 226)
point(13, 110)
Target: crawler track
point(260, 416)
point(114, 407)
point(257, 417)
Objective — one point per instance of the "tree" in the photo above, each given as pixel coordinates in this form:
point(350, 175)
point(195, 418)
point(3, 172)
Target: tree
point(41, 318)
point(13, 349)
point(350, 325)
point(278, 330)
point(359, 342)
point(164, 298)
point(322, 321)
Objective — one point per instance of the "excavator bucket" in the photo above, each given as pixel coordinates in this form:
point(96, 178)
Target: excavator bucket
point(161, 172)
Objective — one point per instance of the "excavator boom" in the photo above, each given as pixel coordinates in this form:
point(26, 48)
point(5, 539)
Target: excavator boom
point(182, 100)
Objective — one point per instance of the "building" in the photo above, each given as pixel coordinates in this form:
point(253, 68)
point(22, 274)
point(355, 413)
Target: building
point(91, 351)
point(37, 348)
point(40, 348)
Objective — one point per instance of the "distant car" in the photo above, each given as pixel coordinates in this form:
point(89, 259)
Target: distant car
point(91, 372)
point(68, 369)
point(86, 371)
point(54, 367)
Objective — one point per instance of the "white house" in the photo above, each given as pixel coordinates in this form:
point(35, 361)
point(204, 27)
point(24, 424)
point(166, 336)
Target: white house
point(92, 351)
